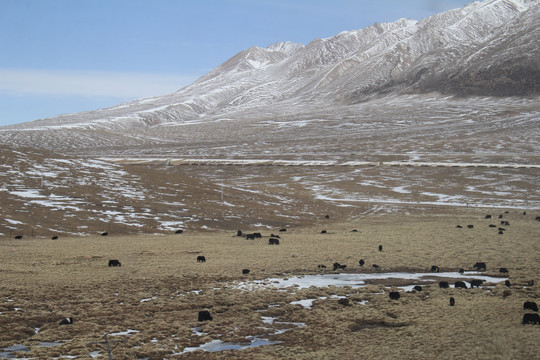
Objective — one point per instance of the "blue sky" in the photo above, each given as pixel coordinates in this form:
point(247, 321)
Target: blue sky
point(65, 56)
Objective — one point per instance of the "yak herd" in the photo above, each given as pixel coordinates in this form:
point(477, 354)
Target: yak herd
point(528, 318)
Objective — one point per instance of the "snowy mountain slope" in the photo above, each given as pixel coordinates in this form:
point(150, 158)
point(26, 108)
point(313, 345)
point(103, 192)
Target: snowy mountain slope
point(486, 48)
point(461, 87)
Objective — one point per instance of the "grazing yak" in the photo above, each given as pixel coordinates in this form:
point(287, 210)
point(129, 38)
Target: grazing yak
point(18, 237)
point(201, 258)
point(114, 263)
point(480, 266)
point(344, 301)
point(435, 268)
point(380, 247)
point(452, 301)
point(253, 236)
point(104, 233)
point(417, 288)
point(444, 284)
point(375, 266)
point(507, 283)
point(459, 227)
point(245, 271)
point(55, 237)
point(361, 262)
point(460, 284)
point(530, 305)
point(239, 233)
point(503, 270)
point(488, 217)
point(394, 295)
point(338, 266)
point(66, 321)
point(179, 231)
point(531, 319)
point(476, 282)
point(273, 241)
point(470, 226)
point(282, 230)
point(530, 283)
point(323, 231)
point(321, 266)
point(204, 315)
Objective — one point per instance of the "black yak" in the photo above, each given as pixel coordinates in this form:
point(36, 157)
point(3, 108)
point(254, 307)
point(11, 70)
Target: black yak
point(204, 315)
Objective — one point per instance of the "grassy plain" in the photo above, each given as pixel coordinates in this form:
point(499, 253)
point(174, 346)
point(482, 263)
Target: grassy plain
point(160, 288)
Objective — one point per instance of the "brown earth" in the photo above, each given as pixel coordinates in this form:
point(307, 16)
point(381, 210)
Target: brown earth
point(160, 288)
point(45, 194)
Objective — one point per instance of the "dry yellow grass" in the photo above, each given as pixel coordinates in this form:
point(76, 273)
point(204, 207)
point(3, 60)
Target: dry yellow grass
point(45, 280)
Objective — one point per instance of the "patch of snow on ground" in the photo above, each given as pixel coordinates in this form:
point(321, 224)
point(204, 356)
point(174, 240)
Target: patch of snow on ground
point(307, 303)
point(13, 221)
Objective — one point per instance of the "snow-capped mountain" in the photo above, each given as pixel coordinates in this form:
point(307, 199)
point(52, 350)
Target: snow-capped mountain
point(487, 48)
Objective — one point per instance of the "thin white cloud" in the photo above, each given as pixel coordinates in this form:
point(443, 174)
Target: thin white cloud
point(90, 83)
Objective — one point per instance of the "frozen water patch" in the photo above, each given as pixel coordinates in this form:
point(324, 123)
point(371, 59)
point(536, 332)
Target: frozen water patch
point(11, 352)
point(218, 345)
point(306, 303)
point(355, 280)
point(252, 341)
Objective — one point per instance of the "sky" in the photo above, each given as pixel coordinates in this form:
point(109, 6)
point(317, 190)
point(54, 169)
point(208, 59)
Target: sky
point(67, 56)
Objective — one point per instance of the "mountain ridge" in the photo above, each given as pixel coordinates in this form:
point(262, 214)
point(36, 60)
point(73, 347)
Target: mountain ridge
point(463, 52)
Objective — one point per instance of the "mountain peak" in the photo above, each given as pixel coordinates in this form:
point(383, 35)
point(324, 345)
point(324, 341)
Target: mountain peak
point(487, 48)
point(286, 47)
